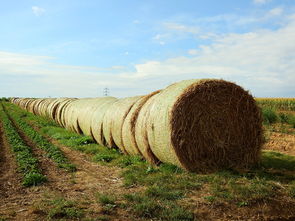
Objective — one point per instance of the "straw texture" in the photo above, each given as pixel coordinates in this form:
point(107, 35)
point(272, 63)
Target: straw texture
point(114, 119)
point(203, 125)
point(128, 128)
point(199, 125)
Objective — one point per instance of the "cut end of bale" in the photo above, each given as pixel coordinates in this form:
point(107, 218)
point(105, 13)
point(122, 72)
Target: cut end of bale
point(216, 124)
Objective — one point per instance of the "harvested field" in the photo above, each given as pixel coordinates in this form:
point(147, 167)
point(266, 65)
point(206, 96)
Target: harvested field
point(108, 185)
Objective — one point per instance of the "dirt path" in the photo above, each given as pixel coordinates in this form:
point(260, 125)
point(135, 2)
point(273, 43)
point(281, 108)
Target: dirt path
point(10, 180)
point(82, 186)
point(14, 198)
point(281, 142)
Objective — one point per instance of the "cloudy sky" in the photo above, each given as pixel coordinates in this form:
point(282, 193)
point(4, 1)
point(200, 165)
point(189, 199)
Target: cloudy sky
point(76, 48)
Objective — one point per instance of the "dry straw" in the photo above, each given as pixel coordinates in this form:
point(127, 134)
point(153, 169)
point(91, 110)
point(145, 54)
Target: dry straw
point(97, 120)
point(205, 124)
point(128, 128)
point(199, 125)
point(87, 110)
point(114, 119)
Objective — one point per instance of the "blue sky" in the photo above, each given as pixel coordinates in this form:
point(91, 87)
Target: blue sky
point(76, 48)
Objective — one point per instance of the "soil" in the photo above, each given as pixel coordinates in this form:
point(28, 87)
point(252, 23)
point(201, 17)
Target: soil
point(281, 142)
point(91, 179)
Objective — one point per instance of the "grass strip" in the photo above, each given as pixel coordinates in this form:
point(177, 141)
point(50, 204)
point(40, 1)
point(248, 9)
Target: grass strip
point(27, 163)
point(52, 151)
point(167, 185)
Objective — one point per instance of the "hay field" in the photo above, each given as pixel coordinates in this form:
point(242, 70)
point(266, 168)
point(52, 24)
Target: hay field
point(74, 178)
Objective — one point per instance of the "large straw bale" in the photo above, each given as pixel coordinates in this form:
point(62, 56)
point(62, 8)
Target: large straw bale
point(87, 111)
point(71, 116)
point(141, 135)
point(97, 121)
point(205, 124)
point(60, 109)
point(199, 125)
point(128, 129)
point(37, 105)
point(114, 119)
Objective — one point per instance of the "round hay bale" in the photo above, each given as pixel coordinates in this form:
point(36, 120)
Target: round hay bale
point(114, 119)
point(87, 111)
point(203, 125)
point(71, 115)
point(60, 109)
point(128, 129)
point(96, 127)
point(141, 135)
point(32, 105)
point(37, 105)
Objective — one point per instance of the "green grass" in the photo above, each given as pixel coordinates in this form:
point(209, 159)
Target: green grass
point(166, 185)
point(27, 163)
point(285, 104)
point(151, 208)
point(52, 151)
point(105, 199)
point(275, 160)
point(269, 115)
point(108, 203)
point(287, 118)
point(61, 208)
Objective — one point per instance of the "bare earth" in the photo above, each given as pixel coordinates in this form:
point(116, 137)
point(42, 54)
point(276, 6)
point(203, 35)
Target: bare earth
point(19, 203)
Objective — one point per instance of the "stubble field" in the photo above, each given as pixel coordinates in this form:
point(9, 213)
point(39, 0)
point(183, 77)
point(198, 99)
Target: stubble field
point(49, 173)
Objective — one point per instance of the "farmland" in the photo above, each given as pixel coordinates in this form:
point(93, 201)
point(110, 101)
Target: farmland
point(48, 172)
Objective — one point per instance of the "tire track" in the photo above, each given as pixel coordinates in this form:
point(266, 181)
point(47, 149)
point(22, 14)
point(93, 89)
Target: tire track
point(10, 180)
point(54, 174)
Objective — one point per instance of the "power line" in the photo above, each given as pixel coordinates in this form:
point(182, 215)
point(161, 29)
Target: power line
point(106, 91)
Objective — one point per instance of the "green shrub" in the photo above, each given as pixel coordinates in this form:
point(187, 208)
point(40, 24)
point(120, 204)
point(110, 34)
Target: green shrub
point(287, 118)
point(33, 179)
point(269, 116)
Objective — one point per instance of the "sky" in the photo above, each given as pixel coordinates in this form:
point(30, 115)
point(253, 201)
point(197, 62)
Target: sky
point(71, 48)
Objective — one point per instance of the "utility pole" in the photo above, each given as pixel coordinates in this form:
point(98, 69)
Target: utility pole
point(106, 92)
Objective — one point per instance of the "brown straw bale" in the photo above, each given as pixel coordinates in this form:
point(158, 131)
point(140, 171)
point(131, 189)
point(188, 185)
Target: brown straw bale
point(96, 129)
point(128, 129)
point(114, 119)
point(203, 125)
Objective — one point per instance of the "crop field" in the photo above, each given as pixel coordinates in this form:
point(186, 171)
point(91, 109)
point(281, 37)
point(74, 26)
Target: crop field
point(50, 173)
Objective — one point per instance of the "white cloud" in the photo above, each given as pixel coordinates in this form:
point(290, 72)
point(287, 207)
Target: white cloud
point(182, 28)
point(262, 61)
point(136, 22)
point(193, 52)
point(38, 11)
point(261, 1)
point(276, 11)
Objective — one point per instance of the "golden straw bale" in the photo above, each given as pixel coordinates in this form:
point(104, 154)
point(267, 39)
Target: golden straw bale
point(114, 119)
point(206, 124)
point(128, 129)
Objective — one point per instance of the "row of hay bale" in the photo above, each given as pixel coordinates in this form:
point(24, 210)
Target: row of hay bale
point(198, 125)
